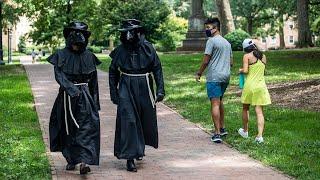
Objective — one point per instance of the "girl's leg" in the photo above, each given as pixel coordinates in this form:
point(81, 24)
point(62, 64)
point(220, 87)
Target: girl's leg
point(245, 116)
point(260, 120)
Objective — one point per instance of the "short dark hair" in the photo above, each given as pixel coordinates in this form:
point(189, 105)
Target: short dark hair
point(214, 21)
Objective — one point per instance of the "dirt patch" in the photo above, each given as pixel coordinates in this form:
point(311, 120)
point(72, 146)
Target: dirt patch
point(297, 95)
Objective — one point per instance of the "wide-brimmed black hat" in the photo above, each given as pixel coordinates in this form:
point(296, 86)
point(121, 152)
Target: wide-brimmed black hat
point(130, 24)
point(77, 26)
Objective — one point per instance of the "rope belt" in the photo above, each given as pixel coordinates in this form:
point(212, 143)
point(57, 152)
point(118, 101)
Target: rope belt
point(153, 102)
point(70, 109)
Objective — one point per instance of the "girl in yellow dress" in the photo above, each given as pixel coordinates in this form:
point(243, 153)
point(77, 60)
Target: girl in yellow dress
point(255, 91)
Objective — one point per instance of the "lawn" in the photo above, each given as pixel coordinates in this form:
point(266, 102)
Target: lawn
point(22, 151)
point(291, 139)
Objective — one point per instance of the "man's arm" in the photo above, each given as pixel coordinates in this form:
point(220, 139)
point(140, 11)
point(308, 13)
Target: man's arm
point(205, 62)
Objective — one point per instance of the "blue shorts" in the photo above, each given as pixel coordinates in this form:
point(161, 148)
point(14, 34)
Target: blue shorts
point(216, 89)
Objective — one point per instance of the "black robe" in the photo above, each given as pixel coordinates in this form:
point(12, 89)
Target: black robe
point(83, 143)
point(136, 123)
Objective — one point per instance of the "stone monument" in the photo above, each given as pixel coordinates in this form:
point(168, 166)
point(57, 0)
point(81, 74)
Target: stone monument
point(196, 37)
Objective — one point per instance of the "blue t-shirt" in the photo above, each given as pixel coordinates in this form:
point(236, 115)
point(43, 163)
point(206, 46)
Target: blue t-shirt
point(219, 65)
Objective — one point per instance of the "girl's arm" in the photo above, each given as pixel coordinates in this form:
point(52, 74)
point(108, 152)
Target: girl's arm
point(245, 65)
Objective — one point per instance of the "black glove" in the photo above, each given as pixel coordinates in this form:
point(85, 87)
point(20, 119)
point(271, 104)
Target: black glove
point(115, 98)
point(159, 97)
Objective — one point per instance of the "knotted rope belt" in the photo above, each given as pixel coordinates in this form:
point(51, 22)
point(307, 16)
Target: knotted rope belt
point(70, 109)
point(153, 102)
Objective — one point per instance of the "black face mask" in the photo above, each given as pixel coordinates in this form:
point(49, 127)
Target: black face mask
point(78, 39)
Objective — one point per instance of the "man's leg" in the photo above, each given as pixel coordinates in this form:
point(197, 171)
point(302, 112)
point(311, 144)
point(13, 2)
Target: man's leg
point(215, 113)
point(214, 93)
point(221, 114)
point(223, 87)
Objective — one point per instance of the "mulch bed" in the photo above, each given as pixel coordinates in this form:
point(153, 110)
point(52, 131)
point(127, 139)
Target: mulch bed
point(303, 95)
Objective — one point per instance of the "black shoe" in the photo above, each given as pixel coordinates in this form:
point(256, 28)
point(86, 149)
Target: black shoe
point(84, 168)
point(139, 158)
point(216, 138)
point(223, 132)
point(70, 167)
point(131, 166)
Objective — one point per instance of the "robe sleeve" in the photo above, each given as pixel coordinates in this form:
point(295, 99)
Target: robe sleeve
point(93, 84)
point(61, 78)
point(158, 75)
point(94, 89)
point(114, 77)
point(67, 85)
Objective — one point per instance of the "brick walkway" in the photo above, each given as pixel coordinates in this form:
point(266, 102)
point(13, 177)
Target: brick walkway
point(185, 151)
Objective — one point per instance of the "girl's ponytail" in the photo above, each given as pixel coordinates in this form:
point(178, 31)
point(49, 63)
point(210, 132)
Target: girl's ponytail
point(258, 54)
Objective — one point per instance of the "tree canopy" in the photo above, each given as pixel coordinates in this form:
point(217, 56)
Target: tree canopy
point(158, 16)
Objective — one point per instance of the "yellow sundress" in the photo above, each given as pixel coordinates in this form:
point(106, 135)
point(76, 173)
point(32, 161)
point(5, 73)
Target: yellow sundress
point(255, 91)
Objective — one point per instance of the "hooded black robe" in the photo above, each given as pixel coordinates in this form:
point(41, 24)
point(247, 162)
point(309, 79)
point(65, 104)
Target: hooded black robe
point(136, 123)
point(83, 143)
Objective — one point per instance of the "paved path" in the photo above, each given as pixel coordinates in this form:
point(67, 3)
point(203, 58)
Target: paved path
point(185, 151)
point(26, 59)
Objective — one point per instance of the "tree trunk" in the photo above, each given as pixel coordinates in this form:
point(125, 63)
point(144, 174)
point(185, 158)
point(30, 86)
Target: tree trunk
point(1, 50)
point(304, 33)
point(281, 34)
point(250, 25)
point(225, 15)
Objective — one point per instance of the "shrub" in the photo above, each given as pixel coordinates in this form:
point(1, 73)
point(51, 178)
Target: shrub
point(22, 44)
point(95, 49)
point(236, 38)
point(317, 43)
point(5, 50)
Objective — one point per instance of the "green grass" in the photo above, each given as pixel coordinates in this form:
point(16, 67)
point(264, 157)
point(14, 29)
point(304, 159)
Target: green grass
point(292, 141)
point(22, 151)
point(15, 59)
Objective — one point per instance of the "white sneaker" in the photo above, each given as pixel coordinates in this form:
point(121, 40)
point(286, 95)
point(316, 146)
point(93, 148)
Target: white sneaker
point(242, 133)
point(259, 139)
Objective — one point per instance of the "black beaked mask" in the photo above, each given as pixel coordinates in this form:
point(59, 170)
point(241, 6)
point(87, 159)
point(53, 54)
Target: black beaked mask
point(130, 37)
point(78, 39)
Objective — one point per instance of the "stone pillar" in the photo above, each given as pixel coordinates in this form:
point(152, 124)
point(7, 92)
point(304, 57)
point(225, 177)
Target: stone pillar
point(196, 38)
point(111, 43)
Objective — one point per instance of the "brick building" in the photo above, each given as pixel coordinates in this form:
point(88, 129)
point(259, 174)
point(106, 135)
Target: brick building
point(273, 42)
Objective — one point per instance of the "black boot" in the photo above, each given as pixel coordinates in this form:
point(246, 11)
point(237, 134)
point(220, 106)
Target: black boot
point(84, 168)
point(131, 166)
point(70, 167)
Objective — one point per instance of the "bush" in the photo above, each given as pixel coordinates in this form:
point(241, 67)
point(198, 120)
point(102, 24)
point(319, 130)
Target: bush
point(95, 49)
point(317, 43)
point(172, 33)
point(5, 51)
point(22, 44)
point(236, 38)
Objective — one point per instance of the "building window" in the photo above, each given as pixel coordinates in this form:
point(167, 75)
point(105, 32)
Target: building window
point(291, 40)
point(264, 40)
point(273, 40)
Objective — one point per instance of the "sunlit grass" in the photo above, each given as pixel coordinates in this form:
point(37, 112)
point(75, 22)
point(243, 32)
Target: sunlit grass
point(291, 139)
point(22, 151)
